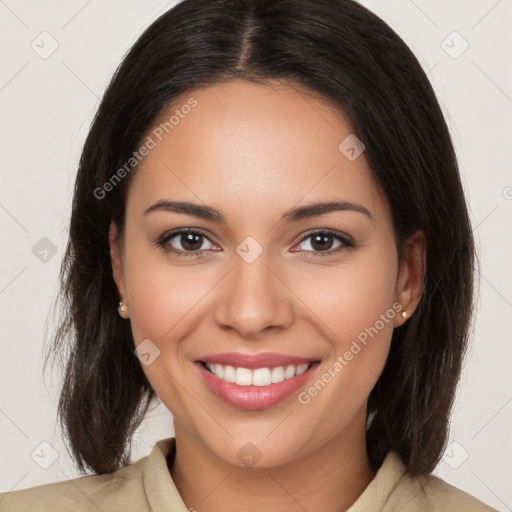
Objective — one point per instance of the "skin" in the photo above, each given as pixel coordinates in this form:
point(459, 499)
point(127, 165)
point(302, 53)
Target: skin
point(254, 152)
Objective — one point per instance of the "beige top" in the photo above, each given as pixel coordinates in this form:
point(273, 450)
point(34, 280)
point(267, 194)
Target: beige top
point(146, 485)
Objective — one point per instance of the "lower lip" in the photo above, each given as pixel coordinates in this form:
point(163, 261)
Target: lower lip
point(254, 397)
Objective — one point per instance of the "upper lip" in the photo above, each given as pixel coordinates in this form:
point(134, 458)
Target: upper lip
point(253, 361)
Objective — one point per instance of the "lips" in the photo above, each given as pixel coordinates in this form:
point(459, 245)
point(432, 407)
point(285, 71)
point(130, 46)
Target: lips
point(254, 381)
point(264, 360)
point(257, 377)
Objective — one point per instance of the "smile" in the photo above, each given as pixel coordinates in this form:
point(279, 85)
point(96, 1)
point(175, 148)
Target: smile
point(254, 382)
point(257, 377)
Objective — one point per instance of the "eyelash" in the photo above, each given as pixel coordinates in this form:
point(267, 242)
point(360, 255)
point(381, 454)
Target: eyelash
point(165, 238)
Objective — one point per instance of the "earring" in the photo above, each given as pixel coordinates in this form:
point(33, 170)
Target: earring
point(404, 315)
point(123, 310)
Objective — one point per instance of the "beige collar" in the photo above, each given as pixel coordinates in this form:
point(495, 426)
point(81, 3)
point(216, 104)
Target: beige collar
point(162, 493)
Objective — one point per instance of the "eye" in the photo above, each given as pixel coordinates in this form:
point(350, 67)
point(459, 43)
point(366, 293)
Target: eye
point(185, 242)
point(190, 242)
point(321, 242)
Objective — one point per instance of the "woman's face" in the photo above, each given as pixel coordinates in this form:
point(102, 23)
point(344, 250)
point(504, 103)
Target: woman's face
point(265, 281)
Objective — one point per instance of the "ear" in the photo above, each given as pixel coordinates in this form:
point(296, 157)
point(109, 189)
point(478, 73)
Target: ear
point(116, 258)
point(411, 274)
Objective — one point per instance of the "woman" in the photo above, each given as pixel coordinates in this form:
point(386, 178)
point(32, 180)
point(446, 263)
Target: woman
point(268, 212)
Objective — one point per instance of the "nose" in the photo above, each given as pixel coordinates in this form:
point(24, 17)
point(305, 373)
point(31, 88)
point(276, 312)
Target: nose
point(254, 298)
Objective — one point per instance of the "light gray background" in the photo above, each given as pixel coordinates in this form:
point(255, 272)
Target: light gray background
point(47, 105)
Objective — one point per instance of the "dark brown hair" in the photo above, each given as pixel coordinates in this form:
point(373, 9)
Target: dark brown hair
point(342, 52)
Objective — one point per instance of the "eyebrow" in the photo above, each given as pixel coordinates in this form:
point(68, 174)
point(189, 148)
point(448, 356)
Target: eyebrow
point(293, 215)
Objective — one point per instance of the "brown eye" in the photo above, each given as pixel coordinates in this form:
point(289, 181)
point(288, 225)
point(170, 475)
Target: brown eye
point(186, 242)
point(321, 242)
point(191, 241)
point(324, 242)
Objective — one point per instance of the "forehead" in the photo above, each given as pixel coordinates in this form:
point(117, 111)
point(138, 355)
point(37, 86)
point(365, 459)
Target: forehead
point(246, 144)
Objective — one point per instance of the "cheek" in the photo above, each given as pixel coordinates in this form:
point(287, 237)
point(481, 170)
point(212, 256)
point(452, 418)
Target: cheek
point(162, 296)
point(164, 303)
point(354, 303)
point(367, 304)
point(352, 296)
point(359, 330)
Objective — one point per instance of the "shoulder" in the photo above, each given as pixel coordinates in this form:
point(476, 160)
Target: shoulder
point(430, 493)
point(121, 490)
point(393, 489)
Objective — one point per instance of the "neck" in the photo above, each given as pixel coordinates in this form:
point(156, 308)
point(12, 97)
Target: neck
point(330, 478)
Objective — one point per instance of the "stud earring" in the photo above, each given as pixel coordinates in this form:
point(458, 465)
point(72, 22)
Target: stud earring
point(123, 310)
point(404, 315)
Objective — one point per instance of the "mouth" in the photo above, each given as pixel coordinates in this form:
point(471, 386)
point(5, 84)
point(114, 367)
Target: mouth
point(256, 387)
point(264, 376)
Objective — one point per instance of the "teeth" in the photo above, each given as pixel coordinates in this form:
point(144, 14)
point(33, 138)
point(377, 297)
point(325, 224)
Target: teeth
point(289, 372)
point(261, 377)
point(219, 371)
point(229, 374)
point(243, 377)
point(301, 368)
point(257, 377)
point(277, 374)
